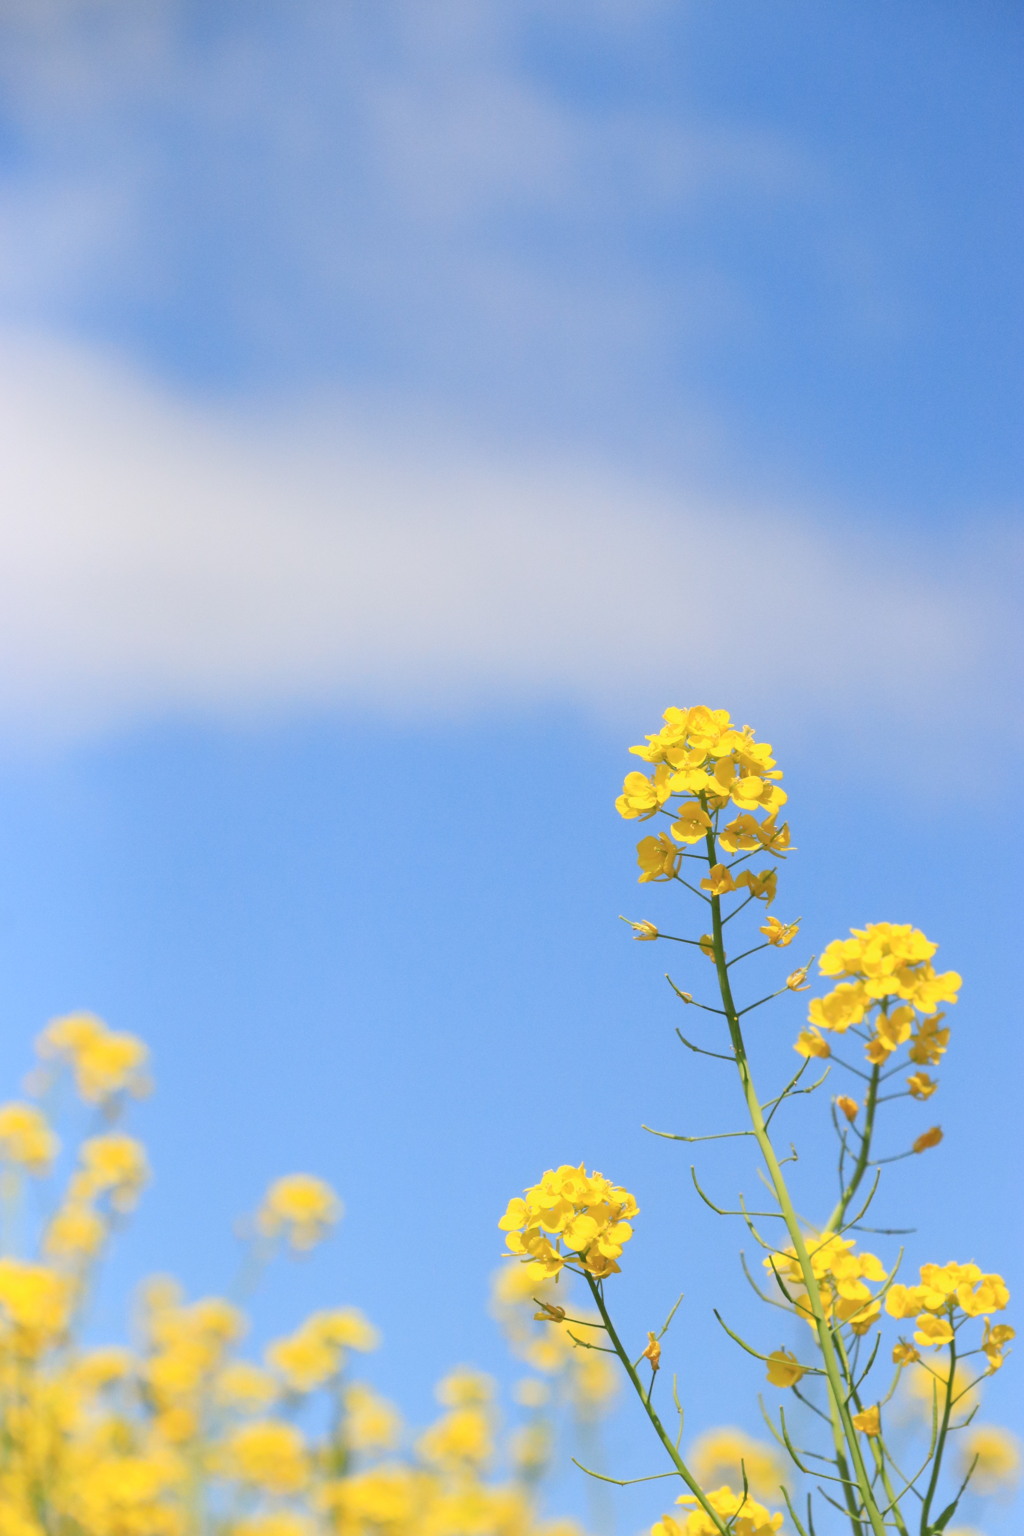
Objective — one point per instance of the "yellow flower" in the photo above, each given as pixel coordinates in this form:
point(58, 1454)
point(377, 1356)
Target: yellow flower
point(932, 1332)
point(809, 1042)
point(867, 1421)
point(642, 796)
point(780, 934)
point(653, 1352)
point(797, 981)
point(719, 881)
point(26, 1139)
point(904, 1353)
point(113, 1165)
point(658, 858)
point(930, 1138)
point(692, 824)
point(929, 1043)
point(763, 886)
point(994, 1342)
point(921, 1085)
point(104, 1061)
point(585, 1212)
point(300, 1206)
point(741, 1514)
point(979, 1294)
point(268, 1454)
point(849, 1106)
point(707, 945)
point(75, 1232)
point(995, 1454)
point(784, 1369)
point(35, 1304)
point(372, 1423)
point(643, 929)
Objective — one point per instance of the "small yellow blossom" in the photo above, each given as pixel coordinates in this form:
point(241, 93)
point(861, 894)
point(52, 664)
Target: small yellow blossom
point(300, 1206)
point(784, 1369)
point(763, 886)
point(718, 881)
point(644, 929)
point(921, 1085)
point(932, 1332)
point(797, 981)
point(26, 1139)
point(113, 1165)
point(867, 1421)
point(849, 1107)
point(904, 1353)
point(692, 823)
point(653, 1351)
point(707, 945)
point(104, 1061)
point(658, 858)
point(930, 1138)
point(779, 934)
point(810, 1042)
point(741, 1514)
point(994, 1342)
point(642, 796)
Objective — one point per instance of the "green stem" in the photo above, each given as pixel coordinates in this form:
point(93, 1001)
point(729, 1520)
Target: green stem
point(856, 1178)
point(940, 1444)
point(826, 1343)
point(659, 1428)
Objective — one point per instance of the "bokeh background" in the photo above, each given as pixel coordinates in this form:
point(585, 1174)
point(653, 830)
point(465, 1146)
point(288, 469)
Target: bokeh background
point(400, 404)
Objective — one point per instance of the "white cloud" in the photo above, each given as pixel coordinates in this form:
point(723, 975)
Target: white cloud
point(156, 556)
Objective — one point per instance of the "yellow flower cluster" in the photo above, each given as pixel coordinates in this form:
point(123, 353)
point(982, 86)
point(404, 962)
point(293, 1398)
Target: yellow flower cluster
point(705, 763)
point(105, 1062)
point(299, 1207)
point(570, 1215)
point(889, 981)
point(946, 1296)
point(181, 1433)
point(841, 1275)
point(743, 1514)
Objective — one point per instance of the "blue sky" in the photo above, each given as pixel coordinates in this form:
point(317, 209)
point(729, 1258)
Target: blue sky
point(402, 405)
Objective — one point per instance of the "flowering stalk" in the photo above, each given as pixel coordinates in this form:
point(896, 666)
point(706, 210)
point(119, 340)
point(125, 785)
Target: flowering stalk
point(838, 1388)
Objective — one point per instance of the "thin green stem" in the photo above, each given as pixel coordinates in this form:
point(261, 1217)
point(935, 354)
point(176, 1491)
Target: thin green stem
point(860, 1166)
point(649, 1409)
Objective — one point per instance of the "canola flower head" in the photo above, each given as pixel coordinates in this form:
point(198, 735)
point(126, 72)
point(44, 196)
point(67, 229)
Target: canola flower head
point(744, 1515)
point(26, 1139)
point(570, 1216)
point(885, 980)
point(300, 1207)
point(105, 1062)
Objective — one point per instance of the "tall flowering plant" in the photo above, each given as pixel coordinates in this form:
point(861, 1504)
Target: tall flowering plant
point(712, 797)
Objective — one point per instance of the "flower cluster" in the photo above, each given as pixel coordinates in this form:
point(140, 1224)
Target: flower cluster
point(182, 1432)
point(889, 995)
point(946, 1297)
point(841, 1275)
point(570, 1215)
point(706, 764)
point(743, 1515)
point(300, 1207)
point(105, 1062)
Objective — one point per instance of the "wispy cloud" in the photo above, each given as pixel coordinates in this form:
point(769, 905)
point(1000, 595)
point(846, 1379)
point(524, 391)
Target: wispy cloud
point(156, 558)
